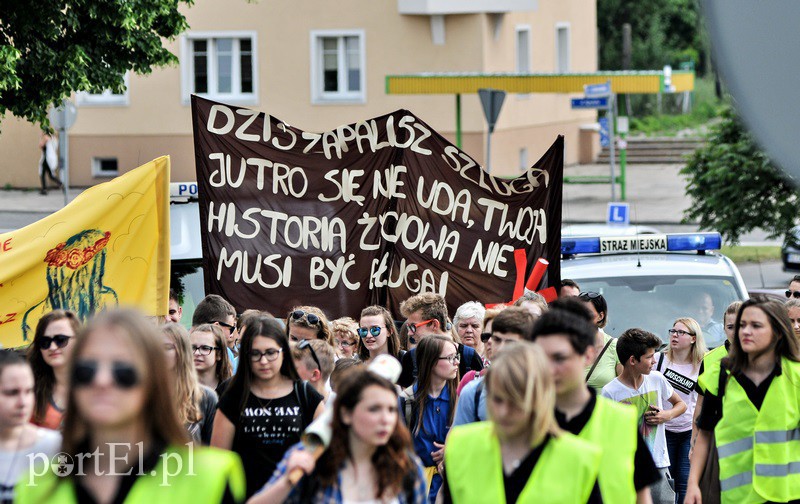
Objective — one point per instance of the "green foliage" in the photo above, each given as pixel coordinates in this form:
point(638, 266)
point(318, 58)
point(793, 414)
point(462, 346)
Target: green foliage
point(49, 49)
point(705, 107)
point(663, 32)
point(735, 188)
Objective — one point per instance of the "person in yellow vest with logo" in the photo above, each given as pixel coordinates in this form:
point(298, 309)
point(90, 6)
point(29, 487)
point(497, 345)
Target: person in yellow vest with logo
point(123, 441)
point(520, 455)
point(752, 404)
point(566, 335)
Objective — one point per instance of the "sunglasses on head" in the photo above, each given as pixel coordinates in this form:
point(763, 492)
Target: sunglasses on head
point(61, 340)
point(486, 336)
point(310, 317)
point(792, 294)
point(589, 295)
point(373, 330)
point(124, 374)
point(302, 345)
point(228, 326)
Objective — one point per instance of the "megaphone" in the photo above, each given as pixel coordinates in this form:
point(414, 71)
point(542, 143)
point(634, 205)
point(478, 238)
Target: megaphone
point(317, 436)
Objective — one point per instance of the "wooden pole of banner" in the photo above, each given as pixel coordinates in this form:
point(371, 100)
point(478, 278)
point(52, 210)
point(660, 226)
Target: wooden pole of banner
point(458, 120)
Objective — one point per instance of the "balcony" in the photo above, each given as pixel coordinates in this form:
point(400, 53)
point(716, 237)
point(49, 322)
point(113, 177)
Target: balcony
point(445, 7)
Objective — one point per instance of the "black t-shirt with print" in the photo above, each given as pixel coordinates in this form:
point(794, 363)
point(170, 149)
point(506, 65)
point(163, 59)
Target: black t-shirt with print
point(266, 428)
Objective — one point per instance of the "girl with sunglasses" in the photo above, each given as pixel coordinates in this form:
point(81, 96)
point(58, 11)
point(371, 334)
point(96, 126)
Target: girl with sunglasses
point(369, 459)
point(266, 407)
point(378, 334)
point(49, 356)
point(430, 404)
point(307, 323)
point(123, 438)
point(213, 369)
point(21, 442)
point(196, 403)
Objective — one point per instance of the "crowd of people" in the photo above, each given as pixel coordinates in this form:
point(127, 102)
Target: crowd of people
point(532, 402)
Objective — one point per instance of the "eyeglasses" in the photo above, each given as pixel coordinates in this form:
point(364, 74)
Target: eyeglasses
point(203, 349)
point(307, 344)
point(230, 327)
point(486, 336)
point(589, 295)
point(412, 328)
point(373, 330)
point(124, 374)
point(61, 340)
point(454, 359)
point(792, 294)
point(679, 332)
point(344, 343)
point(310, 317)
point(271, 354)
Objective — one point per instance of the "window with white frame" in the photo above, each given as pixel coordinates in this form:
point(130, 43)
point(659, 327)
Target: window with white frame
point(562, 48)
point(523, 49)
point(104, 99)
point(220, 65)
point(338, 66)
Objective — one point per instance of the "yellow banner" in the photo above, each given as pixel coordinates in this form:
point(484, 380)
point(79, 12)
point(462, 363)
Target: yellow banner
point(108, 247)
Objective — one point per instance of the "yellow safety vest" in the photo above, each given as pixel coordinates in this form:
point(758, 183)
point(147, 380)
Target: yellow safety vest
point(614, 428)
point(711, 360)
point(759, 450)
point(565, 472)
point(202, 476)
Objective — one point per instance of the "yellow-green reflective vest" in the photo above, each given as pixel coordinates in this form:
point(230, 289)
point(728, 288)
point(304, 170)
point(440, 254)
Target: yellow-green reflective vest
point(759, 450)
point(614, 428)
point(181, 475)
point(565, 472)
point(711, 360)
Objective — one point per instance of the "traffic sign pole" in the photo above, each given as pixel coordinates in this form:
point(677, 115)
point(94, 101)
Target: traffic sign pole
point(492, 102)
point(611, 107)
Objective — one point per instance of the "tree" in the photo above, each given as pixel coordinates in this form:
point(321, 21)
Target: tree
point(735, 188)
point(49, 49)
point(663, 32)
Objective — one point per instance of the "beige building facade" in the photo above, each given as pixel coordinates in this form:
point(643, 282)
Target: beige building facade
point(318, 64)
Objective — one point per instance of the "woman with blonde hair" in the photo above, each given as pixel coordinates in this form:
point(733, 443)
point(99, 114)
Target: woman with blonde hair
point(196, 403)
point(680, 365)
point(793, 309)
point(121, 410)
point(213, 368)
point(520, 454)
point(345, 338)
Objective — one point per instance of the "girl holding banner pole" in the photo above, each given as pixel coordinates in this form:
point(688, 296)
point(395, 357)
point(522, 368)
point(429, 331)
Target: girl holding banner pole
point(369, 458)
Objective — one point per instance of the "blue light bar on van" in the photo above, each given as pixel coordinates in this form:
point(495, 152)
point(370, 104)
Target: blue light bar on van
point(694, 241)
point(676, 242)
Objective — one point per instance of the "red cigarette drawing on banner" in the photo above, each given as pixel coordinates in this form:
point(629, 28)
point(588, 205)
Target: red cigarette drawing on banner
point(520, 261)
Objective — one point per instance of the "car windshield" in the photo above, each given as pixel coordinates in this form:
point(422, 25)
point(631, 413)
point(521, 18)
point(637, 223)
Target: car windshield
point(653, 303)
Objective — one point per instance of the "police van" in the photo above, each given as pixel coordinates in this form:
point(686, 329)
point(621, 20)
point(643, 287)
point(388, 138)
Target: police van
point(649, 280)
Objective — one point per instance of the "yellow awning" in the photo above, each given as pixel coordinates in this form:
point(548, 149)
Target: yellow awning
point(641, 82)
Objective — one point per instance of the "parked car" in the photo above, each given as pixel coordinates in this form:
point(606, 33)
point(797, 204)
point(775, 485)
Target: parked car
point(790, 251)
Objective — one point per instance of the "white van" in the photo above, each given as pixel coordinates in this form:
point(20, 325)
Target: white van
point(186, 252)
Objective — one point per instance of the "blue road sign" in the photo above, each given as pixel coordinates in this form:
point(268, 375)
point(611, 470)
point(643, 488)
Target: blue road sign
point(590, 103)
point(604, 138)
point(597, 90)
point(619, 214)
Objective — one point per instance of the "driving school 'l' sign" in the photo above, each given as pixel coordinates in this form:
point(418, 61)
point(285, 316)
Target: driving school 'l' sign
point(367, 213)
